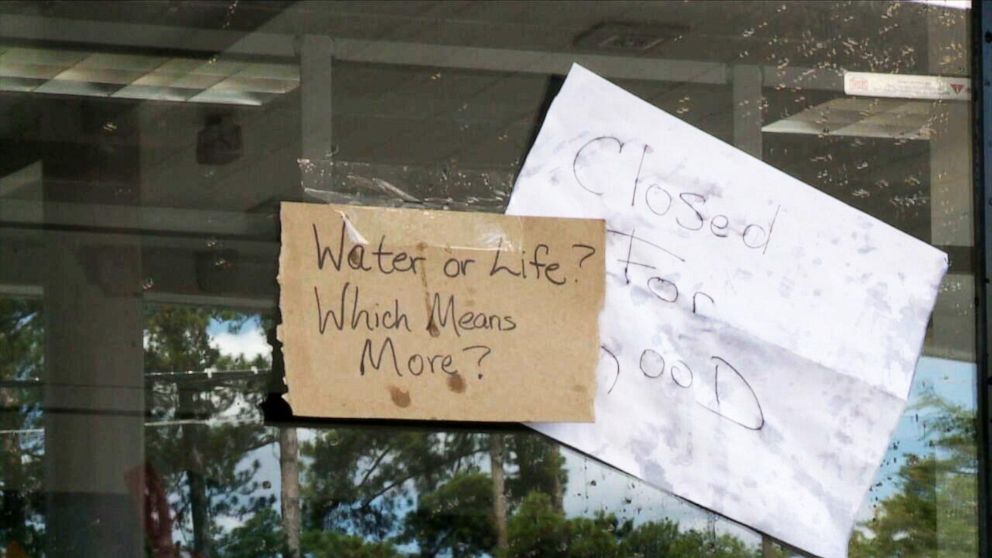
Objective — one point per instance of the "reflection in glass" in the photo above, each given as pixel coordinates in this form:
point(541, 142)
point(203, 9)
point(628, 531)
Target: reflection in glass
point(203, 426)
point(22, 444)
point(926, 493)
point(150, 268)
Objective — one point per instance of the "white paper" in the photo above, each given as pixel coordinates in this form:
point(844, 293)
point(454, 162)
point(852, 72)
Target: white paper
point(793, 321)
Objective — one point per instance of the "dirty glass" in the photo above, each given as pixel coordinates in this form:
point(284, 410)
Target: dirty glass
point(145, 146)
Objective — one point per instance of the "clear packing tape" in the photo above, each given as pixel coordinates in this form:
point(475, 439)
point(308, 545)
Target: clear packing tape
point(438, 187)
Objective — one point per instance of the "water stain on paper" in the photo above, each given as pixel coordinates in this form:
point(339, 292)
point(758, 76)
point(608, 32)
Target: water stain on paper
point(400, 397)
point(456, 383)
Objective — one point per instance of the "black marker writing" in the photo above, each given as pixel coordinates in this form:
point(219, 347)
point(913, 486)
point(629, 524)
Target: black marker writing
point(387, 261)
point(660, 197)
point(591, 251)
point(744, 411)
point(371, 318)
point(415, 364)
point(578, 154)
point(754, 418)
point(485, 352)
point(616, 363)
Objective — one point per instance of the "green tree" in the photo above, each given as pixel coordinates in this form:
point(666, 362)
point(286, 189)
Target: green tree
point(362, 480)
point(653, 539)
point(22, 347)
point(455, 519)
point(261, 536)
point(697, 543)
point(329, 544)
point(359, 485)
point(539, 466)
point(201, 463)
point(935, 508)
point(539, 528)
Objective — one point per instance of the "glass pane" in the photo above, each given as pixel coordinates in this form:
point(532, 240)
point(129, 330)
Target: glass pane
point(146, 146)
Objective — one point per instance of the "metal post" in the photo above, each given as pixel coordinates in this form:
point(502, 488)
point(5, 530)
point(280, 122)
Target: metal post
point(982, 107)
point(94, 363)
point(317, 148)
point(746, 82)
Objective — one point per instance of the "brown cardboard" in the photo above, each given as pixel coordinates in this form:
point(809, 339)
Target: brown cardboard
point(494, 339)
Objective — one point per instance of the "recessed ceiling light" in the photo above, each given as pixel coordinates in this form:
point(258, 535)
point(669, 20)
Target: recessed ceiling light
point(136, 76)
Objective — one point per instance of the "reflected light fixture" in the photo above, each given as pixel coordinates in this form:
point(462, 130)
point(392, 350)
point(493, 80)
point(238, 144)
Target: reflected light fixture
point(954, 4)
point(138, 76)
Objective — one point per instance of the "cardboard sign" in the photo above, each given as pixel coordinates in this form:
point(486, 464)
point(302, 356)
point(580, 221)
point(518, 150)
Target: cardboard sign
point(758, 338)
point(409, 314)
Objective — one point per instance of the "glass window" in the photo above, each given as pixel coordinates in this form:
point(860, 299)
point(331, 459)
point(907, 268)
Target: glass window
point(145, 147)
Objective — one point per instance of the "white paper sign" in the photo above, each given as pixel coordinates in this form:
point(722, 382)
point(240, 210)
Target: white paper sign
point(759, 337)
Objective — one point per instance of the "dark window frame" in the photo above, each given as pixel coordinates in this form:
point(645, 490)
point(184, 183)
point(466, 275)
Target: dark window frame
point(982, 107)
